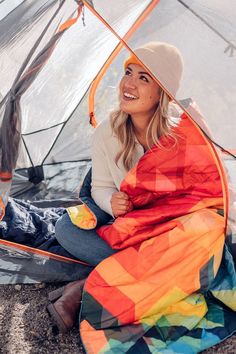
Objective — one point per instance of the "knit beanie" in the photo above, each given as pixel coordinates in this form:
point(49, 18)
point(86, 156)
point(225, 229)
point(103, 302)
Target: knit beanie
point(163, 60)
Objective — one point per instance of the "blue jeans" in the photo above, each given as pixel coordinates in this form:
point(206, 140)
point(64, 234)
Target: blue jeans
point(85, 245)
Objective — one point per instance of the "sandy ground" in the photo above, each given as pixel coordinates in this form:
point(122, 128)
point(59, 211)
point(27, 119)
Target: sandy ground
point(25, 326)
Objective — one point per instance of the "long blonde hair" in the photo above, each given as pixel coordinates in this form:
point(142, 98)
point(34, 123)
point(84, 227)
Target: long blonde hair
point(159, 125)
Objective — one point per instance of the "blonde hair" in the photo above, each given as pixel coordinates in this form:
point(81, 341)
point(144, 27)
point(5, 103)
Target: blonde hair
point(160, 125)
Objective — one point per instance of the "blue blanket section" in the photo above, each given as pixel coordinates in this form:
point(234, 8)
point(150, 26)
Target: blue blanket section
point(32, 226)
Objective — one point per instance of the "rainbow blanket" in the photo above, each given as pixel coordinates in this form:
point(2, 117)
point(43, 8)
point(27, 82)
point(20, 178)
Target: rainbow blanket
point(172, 286)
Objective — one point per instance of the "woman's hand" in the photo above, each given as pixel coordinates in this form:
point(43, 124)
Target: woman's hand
point(120, 204)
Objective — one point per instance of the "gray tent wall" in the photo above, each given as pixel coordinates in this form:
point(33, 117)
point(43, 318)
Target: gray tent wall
point(8, 6)
point(23, 265)
point(59, 129)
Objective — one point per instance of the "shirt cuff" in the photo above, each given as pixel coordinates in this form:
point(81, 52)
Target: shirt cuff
point(102, 198)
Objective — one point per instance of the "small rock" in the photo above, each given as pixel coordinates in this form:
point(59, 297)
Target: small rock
point(34, 334)
point(49, 332)
point(40, 286)
point(17, 287)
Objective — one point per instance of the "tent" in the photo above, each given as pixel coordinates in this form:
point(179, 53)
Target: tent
point(59, 102)
point(59, 67)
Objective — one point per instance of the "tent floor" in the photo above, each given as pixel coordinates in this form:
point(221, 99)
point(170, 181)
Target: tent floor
point(26, 326)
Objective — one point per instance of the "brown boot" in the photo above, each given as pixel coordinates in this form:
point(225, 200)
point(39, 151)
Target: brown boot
point(64, 311)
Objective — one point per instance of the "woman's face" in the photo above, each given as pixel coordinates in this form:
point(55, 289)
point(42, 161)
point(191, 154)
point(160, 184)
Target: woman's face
point(139, 93)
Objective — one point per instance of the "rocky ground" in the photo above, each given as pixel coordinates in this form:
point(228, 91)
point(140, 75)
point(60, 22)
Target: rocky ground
point(25, 327)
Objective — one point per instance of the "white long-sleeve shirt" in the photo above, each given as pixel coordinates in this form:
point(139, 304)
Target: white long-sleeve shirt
point(106, 174)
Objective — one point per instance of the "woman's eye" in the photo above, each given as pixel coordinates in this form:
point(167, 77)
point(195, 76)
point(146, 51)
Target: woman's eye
point(144, 78)
point(127, 72)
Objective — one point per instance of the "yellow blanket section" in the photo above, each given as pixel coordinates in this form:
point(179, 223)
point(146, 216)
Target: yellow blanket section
point(82, 217)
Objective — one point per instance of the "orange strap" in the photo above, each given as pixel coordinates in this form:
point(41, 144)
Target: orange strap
point(5, 176)
point(71, 21)
point(62, 28)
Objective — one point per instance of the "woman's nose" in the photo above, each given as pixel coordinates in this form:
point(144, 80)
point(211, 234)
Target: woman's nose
point(130, 83)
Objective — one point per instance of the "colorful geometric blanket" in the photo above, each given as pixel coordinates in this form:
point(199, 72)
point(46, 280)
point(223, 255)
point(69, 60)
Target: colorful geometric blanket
point(172, 287)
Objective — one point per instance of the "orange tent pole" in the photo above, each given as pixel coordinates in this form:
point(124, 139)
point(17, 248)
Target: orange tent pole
point(122, 43)
point(219, 165)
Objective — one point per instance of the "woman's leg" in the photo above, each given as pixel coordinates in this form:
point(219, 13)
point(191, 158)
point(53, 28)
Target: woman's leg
point(65, 310)
point(85, 245)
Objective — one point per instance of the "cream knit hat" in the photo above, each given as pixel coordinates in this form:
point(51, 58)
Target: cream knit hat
point(163, 60)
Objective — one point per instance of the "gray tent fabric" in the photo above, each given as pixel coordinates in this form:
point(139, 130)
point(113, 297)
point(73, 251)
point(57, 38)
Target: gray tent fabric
point(12, 116)
point(45, 132)
point(18, 266)
point(6, 7)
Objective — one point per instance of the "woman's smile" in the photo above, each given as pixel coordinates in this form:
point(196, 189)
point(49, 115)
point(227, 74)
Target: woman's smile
point(129, 96)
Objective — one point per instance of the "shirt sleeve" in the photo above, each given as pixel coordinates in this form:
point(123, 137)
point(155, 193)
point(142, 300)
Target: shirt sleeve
point(103, 185)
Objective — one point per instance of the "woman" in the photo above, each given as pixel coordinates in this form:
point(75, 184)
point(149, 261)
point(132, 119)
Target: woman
point(119, 143)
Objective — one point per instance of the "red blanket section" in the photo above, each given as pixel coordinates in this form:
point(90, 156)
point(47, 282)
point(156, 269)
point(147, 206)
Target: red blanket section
point(168, 182)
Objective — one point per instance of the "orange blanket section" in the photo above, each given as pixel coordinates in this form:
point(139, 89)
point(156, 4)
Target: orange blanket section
point(151, 280)
point(171, 248)
point(168, 182)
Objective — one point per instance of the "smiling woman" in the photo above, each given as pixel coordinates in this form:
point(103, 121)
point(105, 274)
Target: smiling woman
point(143, 101)
point(141, 121)
point(153, 178)
point(139, 98)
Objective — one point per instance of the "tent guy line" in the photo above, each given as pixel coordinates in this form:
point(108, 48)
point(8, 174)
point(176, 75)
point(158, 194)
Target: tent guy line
point(230, 44)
